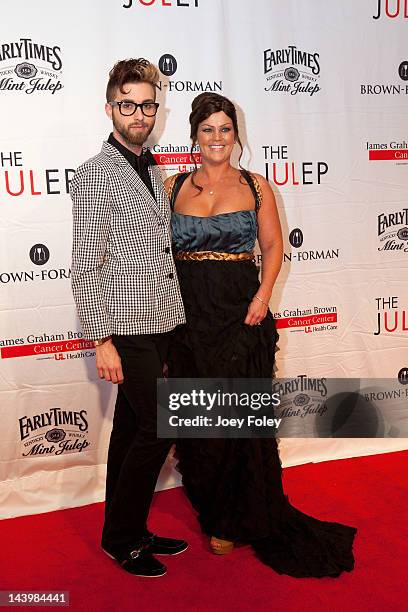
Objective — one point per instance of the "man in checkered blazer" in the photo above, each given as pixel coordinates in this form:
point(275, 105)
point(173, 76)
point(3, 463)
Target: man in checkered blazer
point(128, 300)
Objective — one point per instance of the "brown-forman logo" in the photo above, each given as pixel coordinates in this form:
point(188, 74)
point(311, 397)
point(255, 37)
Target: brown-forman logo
point(39, 255)
point(30, 67)
point(391, 88)
point(296, 239)
point(168, 66)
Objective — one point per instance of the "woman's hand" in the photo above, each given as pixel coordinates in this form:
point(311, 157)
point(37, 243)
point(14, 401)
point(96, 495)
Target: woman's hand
point(257, 311)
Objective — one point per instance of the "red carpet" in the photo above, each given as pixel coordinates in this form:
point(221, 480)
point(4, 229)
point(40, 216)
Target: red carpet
point(60, 551)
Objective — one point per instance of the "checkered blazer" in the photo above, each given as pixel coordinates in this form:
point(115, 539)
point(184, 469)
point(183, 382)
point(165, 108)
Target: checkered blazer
point(124, 279)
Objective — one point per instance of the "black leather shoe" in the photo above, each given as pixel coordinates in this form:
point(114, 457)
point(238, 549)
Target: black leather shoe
point(157, 545)
point(140, 562)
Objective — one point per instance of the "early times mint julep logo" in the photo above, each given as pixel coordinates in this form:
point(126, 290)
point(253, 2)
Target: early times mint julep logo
point(291, 70)
point(393, 231)
point(30, 67)
point(54, 432)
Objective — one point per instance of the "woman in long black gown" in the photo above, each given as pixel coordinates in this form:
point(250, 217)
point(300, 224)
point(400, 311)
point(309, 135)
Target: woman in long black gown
point(235, 484)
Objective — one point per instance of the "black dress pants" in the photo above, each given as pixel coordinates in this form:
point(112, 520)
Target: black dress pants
point(135, 455)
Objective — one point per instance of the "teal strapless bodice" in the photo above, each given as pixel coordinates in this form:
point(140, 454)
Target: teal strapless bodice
point(233, 232)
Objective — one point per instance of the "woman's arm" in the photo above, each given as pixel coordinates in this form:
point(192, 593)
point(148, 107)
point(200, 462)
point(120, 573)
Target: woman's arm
point(271, 245)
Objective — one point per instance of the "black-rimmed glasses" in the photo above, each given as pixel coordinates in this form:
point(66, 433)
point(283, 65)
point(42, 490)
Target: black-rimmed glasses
point(149, 109)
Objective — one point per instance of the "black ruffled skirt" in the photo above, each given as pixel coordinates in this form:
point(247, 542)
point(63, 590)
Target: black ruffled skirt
point(235, 485)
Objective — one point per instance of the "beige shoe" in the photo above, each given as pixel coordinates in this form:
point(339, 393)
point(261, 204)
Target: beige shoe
point(221, 547)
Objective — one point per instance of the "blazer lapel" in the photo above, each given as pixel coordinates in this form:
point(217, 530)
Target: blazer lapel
point(133, 179)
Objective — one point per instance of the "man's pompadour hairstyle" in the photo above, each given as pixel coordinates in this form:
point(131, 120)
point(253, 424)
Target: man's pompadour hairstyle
point(131, 71)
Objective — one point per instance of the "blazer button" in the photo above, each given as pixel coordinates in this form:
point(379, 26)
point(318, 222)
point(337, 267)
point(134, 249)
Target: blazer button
point(167, 250)
point(171, 275)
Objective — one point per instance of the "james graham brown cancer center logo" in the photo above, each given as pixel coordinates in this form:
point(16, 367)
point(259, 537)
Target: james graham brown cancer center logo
point(307, 320)
point(54, 432)
point(30, 67)
point(168, 66)
point(55, 346)
point(393, 150)
point(291, 70)
point(175, 158)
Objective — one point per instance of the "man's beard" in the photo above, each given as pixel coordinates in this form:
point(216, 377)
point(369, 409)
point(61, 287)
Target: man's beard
point(131, 137)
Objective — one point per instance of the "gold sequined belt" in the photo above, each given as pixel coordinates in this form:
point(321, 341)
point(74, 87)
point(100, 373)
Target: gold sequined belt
point(214, 255)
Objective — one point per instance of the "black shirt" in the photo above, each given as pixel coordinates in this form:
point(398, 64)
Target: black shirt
point(140, 163)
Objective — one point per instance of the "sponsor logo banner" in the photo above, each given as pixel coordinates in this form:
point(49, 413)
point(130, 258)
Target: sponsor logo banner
point(309, 256)
point(284, 171)
point(392, 229)
point(390, 9)
point(391, 318)
point(307, 320)
point(30, 67)
point(296, 239)
point(54, 432)
point(39, 255)
point(127, 4)
point(45, 348)
point(388, 154)
point(169, 65)
point(48, 346)
point(177, 158)
point(291, 70)
point(388, 89)
point(18, 180)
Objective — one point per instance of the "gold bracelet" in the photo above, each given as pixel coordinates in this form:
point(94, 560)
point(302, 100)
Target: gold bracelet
point(259, 299)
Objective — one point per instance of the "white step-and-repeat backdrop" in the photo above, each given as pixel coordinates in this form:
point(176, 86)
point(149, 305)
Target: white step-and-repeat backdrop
point(322, 91)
